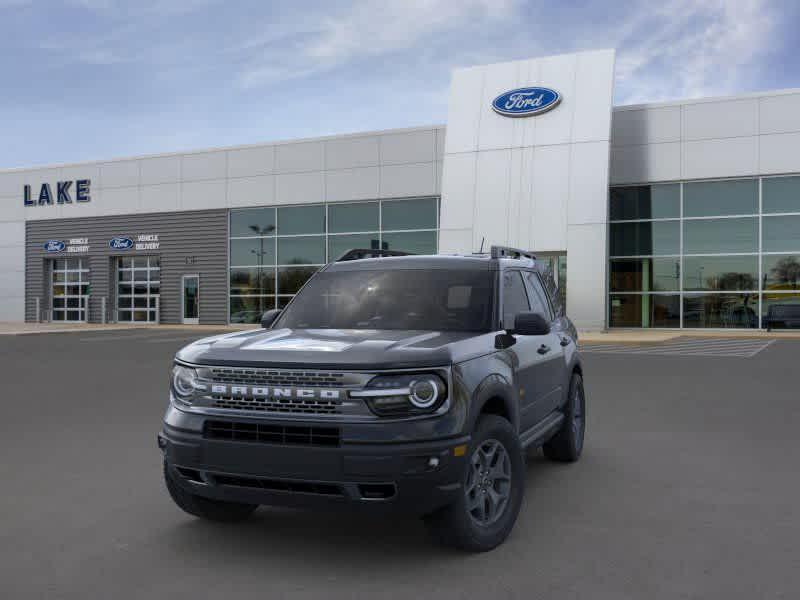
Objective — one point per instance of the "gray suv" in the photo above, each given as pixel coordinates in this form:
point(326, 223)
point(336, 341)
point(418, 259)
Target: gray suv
point(389, 383)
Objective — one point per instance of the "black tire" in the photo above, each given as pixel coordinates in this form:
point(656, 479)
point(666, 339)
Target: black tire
point(456, 525)
point(567, 444)
point(205, 508)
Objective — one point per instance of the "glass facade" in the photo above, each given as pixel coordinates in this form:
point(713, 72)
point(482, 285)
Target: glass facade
point(275, 249)
point(703, 254)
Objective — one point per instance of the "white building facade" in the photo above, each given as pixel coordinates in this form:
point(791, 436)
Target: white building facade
point(683, 214)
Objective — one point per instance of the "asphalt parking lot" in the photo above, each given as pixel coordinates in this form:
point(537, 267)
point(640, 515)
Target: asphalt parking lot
point(688, 488)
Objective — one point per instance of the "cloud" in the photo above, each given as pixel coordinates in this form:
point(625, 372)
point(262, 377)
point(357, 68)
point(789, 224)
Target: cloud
point(690, 48)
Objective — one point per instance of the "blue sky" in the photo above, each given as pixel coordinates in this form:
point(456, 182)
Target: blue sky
point(96, 79)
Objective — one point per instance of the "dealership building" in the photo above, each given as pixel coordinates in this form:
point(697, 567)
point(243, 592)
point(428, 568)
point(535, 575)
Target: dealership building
point(669, 215)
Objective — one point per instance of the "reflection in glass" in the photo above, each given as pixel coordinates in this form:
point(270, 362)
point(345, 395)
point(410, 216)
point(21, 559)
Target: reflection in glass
point(720, 273)
point(249, 309)
point(717, 198)
point(291, 279)
point(644, 310)
point(253, 221)
point(355, 216)
point(720, 310)
point(718, 236)
point(252, 281)
point(255, 252)
point(644, 239)
point(339, 244)
point(781, 234)
point(773, 306)
point(409, 214)
point(417, 242)
point(780, 194)
point(301, 250)
point(294, 220)
point(781, 272)
point(645, 202)
point(645, 275)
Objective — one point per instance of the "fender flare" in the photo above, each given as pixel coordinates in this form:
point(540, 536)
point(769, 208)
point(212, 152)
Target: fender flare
point(494, 386)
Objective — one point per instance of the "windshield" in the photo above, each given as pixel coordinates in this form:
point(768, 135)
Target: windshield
point(436, 299)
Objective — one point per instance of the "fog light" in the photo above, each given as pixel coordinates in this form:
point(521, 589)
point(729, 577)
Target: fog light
point(433, 462)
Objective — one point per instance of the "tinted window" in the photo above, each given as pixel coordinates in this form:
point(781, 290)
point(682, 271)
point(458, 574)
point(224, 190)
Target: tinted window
point(645, 239)
point(645, 310)
point(717, 236)
point(537, 296)
point(258, 221)
point(417, 242)
point(645, 275)
point(339, 244)
point(359, 216)
point(712, 198)
point(781, 272)
point(305, 250)
point(781, 234)
point(645, 202)
point(293, 220)
point(780, 194)
point(434, 299)
point(515, 299)
point(254, 251)
point(720, 273)
point(409, 214)
point(720, 310)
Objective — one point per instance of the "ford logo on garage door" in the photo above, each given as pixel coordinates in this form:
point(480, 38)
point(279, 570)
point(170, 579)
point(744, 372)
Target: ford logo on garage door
point(526, 102)
point(120, 243)
point(54, 246)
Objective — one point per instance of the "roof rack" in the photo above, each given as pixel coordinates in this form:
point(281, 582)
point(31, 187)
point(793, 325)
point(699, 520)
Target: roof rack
point(359, 253)
point(508, 252)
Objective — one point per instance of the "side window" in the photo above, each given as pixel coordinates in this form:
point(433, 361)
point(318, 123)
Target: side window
point(537, 295)
point(515, 300)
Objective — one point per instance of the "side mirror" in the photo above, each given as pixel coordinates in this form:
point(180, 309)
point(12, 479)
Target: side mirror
point(530, 323)
point(268, 318)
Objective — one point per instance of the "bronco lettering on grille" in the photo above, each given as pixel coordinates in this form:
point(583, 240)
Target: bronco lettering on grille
point(274, 392)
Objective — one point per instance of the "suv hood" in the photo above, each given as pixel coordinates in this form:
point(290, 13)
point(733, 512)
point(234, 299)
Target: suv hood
point(337, 348)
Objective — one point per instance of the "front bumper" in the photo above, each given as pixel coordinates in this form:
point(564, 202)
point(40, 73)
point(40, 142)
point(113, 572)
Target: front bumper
point(415, 477)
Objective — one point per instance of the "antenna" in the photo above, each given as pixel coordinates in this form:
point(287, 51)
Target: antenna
point(483, 239)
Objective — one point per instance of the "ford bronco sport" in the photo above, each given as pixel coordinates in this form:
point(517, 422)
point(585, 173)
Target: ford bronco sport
point(410, 383)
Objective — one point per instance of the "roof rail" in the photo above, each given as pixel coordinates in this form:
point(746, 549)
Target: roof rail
point(359, 253)
point(508, 252)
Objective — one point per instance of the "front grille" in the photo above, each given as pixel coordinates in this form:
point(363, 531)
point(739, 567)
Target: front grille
point(280, 485)
point(279, 405)
point(267, 377)
point(272, 434)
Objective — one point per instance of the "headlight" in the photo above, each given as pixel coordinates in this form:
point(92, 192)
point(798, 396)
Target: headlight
point(403, 395)
point(184, 383)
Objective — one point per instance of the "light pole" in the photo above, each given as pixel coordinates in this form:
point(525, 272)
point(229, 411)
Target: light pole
point(261, 232)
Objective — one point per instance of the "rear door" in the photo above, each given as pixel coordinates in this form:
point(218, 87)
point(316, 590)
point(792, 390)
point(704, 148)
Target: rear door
point(552, 370)
point(527, 360)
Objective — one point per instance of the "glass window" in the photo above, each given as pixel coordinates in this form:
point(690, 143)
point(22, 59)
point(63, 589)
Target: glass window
point(720, 273)
point(417, 242)
point(781, 234)
point(294, 220)
point(301, 250)
point(253, 221)
point(252, 280)
point(645, 239)
point(536, 296)
point(249, 309)
point(645, 275)
point(718, 236)
point(780, 194)
point(255, 252)
point(644, 310)
point(712, 198)
point(409, 214)
point(515, 299)
point(645, 202)
point(395, 299)
point(720, 310)
point(358, 216)
point(780, 272)
point(291, 279)
point(339, 244)
point(773, 307)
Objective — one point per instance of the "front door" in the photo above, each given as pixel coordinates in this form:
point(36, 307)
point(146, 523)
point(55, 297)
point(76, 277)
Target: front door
point(191, 299)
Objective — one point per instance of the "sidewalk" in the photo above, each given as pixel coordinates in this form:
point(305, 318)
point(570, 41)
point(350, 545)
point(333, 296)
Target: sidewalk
point(652, 336)
point(8, 328)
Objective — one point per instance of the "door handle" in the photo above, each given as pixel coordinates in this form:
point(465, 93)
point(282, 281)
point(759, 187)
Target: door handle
point(543, 349)
point(565, 341)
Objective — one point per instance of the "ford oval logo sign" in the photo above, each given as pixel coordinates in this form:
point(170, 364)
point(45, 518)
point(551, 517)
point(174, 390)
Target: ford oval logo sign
point(54, 246)
point(120, 243)
point(526, 102)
